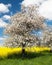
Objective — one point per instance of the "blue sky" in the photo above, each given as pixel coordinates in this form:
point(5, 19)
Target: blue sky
point(13, 7)
point(15, 4)
point(10, 7)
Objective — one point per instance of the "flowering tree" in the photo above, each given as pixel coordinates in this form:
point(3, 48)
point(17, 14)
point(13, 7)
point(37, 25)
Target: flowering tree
point(47, 37)
point(21, 26)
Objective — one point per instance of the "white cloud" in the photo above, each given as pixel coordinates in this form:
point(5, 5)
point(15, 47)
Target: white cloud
point(7, 17)
point(4, 8)
point(2, 23)
point(32, 2)
point(2, 40)
point(46, 9)
point(8, 5)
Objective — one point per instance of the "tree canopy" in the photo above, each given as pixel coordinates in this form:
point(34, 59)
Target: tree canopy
point(21, 26)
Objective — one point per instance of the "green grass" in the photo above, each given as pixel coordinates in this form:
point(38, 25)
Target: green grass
point(28, 59)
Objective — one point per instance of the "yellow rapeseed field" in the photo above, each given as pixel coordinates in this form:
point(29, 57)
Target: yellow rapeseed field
point(4, 51)
point(37, 49)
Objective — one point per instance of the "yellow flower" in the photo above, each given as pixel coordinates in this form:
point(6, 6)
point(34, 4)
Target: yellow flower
point(36, 49)
point(4, 51)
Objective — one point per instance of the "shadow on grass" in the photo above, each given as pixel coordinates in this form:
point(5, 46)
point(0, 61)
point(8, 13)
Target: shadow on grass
point(25, 56)
point(29, 55)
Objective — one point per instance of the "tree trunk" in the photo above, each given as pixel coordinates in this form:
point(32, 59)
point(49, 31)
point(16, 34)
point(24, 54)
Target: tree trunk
point(23, 49)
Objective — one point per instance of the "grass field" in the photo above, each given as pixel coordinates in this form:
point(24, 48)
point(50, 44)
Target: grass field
point(28, 59)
